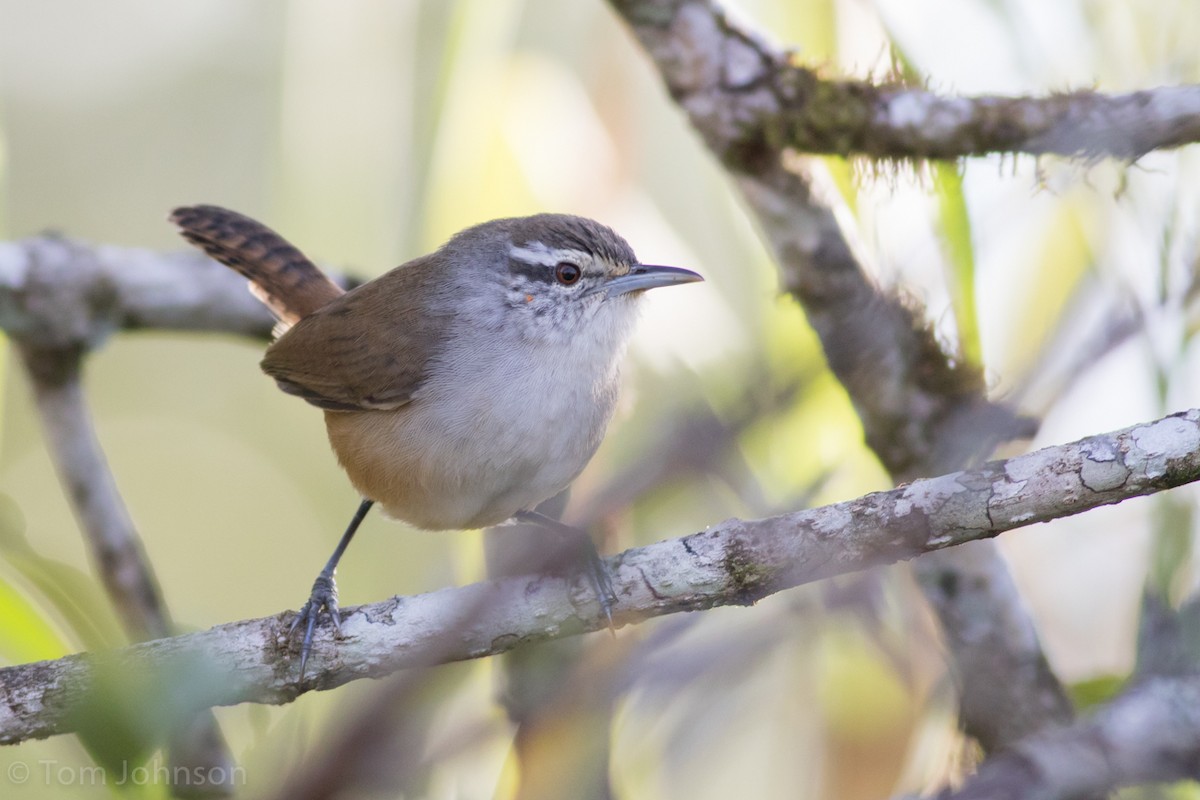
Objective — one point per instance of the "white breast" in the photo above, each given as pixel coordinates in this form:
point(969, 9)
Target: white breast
point(499, 427)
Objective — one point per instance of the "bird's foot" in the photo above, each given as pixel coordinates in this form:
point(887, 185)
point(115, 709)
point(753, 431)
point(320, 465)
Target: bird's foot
point(597, 574)
point(593, 565)
point(324, 597)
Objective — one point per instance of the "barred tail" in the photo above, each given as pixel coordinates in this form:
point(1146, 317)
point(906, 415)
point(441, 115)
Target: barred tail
point(280, 275)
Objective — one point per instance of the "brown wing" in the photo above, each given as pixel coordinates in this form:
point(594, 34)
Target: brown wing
point(368, 349)
point(280, 275)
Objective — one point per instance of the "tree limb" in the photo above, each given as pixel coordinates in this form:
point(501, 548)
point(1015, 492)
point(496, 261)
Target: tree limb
point(751, 98)
point(923, 412)
point(61, 293)
point(108, 530)
point(1150, 734)
point(60, 303)
point(733, 563)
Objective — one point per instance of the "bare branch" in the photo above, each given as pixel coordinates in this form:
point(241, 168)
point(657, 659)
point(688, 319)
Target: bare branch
point(750, 99)
point(61, 293)
point(90, 486)
point(1150, 734)
point(997, 654)
point(733, 563)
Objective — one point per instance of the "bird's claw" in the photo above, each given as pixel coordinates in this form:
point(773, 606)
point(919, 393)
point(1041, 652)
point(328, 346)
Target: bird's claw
point(593, 566)
point(324, 596)
point(601, 581)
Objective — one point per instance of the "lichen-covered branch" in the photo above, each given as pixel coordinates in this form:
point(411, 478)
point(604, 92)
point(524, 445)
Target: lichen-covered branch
point(923, 411)
point(732, 563)
point(750, 99)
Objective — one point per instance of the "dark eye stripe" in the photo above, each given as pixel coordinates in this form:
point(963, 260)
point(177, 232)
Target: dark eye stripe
point(544, 273)
point(534, 272)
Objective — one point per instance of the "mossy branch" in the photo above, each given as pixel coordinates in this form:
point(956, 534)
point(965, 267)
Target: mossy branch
point(752, 99)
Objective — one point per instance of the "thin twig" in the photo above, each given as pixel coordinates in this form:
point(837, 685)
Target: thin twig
point(85, 475)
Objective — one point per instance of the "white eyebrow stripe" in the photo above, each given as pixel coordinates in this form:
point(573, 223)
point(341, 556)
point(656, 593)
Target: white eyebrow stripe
point(541, 255)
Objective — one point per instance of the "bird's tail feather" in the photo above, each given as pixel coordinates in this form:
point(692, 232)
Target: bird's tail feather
point(282, 277)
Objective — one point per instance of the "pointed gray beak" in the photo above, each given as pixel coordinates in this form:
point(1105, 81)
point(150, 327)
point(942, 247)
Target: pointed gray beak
point(644, 276)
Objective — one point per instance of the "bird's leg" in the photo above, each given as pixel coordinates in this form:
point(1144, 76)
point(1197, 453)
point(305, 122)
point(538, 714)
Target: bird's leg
point(594, 568)
point(324, 591)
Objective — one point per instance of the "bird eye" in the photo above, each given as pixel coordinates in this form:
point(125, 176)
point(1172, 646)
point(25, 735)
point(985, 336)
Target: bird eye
point(567, 273)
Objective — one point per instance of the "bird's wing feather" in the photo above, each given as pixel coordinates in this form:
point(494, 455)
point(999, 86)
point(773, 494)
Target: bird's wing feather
point(367, 349)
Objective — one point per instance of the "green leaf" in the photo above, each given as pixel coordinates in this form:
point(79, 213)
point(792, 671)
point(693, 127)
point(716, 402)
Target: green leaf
point(955, 224)
point(129, 710)
point(73, 594)
point(956, 239)
point(1095, 691)
point(26, 634)
point(1171, 547)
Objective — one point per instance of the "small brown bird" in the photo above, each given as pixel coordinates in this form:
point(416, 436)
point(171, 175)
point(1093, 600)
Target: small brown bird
point(462, 388)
